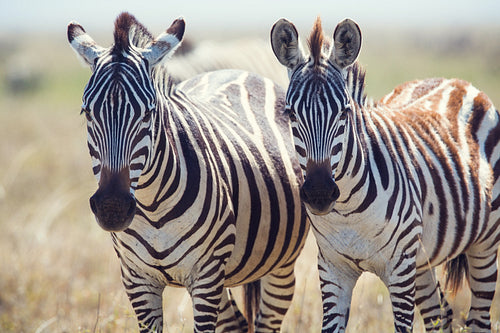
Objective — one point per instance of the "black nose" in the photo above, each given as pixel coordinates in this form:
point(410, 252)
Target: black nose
point(113, 211)
point(319, 193)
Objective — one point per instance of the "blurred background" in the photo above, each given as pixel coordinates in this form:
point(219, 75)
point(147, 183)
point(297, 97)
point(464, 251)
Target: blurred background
point(58, 271)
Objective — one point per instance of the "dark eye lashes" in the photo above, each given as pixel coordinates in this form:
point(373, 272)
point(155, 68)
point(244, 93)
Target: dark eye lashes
point(290, 112)
point(87, 113)
point(147, 115)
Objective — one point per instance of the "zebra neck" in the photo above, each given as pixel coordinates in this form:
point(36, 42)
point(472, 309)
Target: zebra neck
point(162, 147)
point(163, 163)
point(353, 174)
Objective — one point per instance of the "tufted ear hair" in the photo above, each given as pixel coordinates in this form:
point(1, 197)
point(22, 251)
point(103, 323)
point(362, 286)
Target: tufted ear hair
point(166, 43)
point(346, 43)
point(285, 44)
point(84, 46)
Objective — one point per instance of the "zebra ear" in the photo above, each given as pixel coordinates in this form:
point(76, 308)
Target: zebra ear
point(84, 46)
point(285, 44)
point(166, 43)
point(346, 43)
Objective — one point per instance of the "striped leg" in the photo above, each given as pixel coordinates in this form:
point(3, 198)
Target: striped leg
point(435, 310)
point(276, 291)
point(206, 294)
point(146, 299)
point(336, 293)
point(401, 285)
point(230, 318)
point(482, 280)
point(207, 290)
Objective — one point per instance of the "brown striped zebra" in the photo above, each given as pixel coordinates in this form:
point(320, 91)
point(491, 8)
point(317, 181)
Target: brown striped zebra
point(197, 180)
point(397, 186)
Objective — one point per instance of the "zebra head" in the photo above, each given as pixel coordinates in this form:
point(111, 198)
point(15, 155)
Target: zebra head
point(119, 103)
point(318, 103)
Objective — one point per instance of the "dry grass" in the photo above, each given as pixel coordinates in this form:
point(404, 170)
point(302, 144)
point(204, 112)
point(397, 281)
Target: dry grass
point(58, 271)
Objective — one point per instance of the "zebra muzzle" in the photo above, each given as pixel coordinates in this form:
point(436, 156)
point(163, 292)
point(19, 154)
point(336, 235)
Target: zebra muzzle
point(319, 192)
point(112, 204)
point(113, 213)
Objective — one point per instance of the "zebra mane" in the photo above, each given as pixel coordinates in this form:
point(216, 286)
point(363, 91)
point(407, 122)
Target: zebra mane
point(315, 41)
point(356, 83)
point(355, 78)
point(129, 32)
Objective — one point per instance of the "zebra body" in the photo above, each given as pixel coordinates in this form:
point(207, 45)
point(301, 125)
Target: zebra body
point(398, 186)
point(192, 182)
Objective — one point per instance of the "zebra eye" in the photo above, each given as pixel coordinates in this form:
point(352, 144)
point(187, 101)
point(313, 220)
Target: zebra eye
point(291, 113)
point(147, 115)
point(87, 113)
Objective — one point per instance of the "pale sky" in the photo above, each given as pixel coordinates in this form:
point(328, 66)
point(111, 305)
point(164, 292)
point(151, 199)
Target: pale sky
point(99, 15)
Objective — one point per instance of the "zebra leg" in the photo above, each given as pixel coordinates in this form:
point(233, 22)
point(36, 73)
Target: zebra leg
point(401, 285)
point(435, 310)
point(482, 281)
point(230, 319)
point(276, 293)
point(336, 293)
point(207, 290)
point(146, 299)
point(206, 296)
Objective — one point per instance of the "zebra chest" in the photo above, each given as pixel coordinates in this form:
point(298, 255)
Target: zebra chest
point(342, 243)
point(172, 254)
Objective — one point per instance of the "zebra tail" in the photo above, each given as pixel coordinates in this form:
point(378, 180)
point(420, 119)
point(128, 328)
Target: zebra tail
point(251, 302)
point(457, 269)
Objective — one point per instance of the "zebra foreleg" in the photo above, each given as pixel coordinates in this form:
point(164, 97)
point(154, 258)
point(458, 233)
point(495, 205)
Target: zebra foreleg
point(435, 310)
point(336, 284)
point(276, 293)
point(482, 281)
point(401, 284)
point(146, 299)
point(230, 319)
point(207, 290)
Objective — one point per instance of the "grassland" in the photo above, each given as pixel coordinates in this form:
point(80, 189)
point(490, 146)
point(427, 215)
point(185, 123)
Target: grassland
point(58, 271)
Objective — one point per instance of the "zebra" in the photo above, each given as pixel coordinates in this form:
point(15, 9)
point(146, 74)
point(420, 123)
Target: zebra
point(249, 54)
point(395, 187)
point(197, 184)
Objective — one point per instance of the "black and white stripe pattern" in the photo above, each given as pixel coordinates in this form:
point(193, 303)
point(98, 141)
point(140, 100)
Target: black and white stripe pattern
point(398, 186)
point(196, 181)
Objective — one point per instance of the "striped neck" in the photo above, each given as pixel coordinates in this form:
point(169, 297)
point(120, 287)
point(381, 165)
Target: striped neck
point(353, 166)
point(163, 153)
